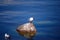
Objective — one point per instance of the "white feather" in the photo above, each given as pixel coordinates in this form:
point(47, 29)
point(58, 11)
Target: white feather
point(31, 19)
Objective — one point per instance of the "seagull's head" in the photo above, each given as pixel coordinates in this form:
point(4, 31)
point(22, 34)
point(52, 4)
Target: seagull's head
point(31, 19)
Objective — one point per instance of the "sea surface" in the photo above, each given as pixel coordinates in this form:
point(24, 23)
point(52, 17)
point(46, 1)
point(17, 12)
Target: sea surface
point(46, 13)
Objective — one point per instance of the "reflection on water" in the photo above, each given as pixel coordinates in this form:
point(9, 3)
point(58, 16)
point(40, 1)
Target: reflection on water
point(46, 18)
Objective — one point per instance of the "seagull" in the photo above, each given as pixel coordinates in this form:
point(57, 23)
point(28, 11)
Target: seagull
point(31, 19)
point(7, 36)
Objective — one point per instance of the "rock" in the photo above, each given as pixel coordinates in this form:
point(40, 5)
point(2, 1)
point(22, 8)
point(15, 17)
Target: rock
point(27, 30)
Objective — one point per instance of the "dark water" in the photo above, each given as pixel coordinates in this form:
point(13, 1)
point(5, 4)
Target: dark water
point(46, 15)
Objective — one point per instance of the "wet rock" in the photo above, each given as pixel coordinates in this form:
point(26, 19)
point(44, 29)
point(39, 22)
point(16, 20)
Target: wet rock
point(27, 30)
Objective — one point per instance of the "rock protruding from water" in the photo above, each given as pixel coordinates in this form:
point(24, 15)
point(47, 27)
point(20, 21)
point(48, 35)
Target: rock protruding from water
point(27, 30)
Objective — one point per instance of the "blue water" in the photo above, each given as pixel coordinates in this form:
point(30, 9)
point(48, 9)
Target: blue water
point(46, 15)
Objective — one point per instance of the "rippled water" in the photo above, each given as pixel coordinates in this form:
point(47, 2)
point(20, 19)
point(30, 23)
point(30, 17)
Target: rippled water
point(46, 18)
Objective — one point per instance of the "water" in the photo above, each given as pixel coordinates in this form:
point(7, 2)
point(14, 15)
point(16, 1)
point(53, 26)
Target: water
point(46, 18)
